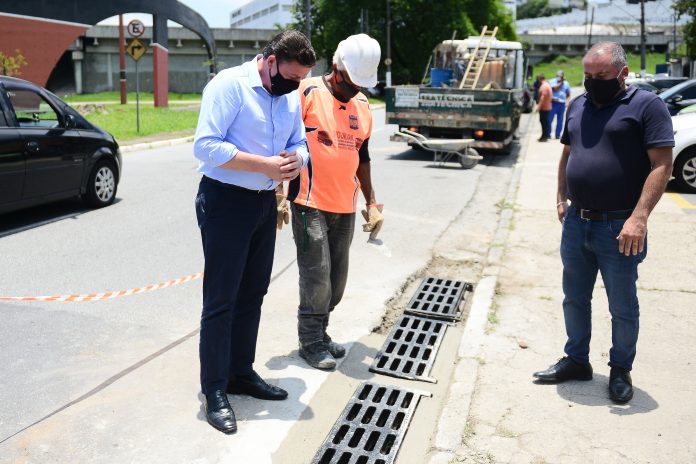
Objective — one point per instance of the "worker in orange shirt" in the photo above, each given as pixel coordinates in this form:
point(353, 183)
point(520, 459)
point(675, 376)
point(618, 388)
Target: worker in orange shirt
point(544, 107)
point(324, 197)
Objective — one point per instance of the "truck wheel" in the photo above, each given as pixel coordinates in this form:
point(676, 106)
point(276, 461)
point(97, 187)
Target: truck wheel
point(101, 185)
point(467, 162)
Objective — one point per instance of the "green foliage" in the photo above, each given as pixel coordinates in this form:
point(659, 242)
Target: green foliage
point(120, 121)
point(572, 66)
point(417, 26)
point(688, 7)
point(10, 64)
point(538, 9)
point(115, 96)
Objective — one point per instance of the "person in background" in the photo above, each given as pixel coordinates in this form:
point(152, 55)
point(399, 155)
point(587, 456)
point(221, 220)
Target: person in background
point(544, 107)
point(324, 197)
point(559, 102)
point(249, 138)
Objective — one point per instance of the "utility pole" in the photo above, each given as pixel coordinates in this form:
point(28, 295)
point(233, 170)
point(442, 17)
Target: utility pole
point(642, 39)
point(388, 60)
point(589, 36)
point(308, 18)
point(122, 61)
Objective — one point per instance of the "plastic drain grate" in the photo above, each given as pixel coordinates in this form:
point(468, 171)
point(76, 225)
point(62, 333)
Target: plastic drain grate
point(410, 348)
point(371, 427)
point(439, 298)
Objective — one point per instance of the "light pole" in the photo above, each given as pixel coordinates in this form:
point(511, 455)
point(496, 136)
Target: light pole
point(642, 39)
point(387, 60)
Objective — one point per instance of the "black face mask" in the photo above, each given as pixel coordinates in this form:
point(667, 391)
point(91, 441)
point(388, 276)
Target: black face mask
point(279, 84)
point(347, 90)
point(601, 91)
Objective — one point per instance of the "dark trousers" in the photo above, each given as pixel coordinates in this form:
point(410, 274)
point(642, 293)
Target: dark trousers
point(238, 234)
point(544, 119)
point(323, 243)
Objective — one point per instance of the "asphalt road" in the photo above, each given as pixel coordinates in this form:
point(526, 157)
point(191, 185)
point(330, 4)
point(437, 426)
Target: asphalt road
point(58, 357)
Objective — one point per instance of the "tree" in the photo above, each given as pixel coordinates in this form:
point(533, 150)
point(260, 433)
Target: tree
point(416, 27)
point(688, 7)
point(539, 9)
point(9, 65)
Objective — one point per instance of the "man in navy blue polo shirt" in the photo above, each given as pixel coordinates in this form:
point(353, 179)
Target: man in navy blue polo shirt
point(615, 165)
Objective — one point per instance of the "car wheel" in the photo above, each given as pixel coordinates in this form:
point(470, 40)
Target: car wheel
point(684, 171)
point(101, 186)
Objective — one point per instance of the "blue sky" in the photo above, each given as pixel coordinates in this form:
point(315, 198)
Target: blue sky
point(216, 12)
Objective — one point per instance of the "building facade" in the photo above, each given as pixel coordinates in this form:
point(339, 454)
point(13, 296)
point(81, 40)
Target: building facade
point(262, 14)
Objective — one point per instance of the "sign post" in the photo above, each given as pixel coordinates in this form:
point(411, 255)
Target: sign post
point(136, 50)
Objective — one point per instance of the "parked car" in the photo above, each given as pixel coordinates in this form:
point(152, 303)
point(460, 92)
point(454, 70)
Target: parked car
point(49, 152)
point(680, 96)
point(684, 153)
point(665, 82)
point(639, 84)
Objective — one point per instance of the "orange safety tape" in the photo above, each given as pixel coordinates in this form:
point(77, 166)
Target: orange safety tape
point(105, 295)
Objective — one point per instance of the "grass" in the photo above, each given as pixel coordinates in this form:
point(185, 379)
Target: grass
point(116, 97)
point(469, 429)
point(120, 121)
point(572, 66)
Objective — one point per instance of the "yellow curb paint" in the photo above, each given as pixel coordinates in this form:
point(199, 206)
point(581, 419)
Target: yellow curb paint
point(682, 202)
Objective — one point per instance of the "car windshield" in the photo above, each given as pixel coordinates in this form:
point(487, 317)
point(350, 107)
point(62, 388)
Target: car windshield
point(675, 90)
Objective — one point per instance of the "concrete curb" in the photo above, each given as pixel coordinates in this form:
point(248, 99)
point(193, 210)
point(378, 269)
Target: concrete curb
point(450, 426)
point(156, 144)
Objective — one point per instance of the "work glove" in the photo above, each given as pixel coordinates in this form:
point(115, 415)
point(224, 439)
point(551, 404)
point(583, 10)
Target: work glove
point(283, 210)
point(374, 219)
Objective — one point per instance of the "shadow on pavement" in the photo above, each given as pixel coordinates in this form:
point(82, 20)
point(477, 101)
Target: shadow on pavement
point(595, 393)
point(26, 219)
point(247, 408)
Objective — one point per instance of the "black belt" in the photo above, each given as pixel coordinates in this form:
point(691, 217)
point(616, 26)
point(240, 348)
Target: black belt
point(236, 188)
point(592, 215)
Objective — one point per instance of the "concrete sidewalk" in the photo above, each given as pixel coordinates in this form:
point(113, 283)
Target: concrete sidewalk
point(510, 419)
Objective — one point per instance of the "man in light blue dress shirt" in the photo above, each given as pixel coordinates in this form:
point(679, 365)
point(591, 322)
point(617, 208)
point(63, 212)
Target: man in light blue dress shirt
point(250, 137)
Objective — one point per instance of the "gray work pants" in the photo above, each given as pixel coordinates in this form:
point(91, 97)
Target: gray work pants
point(323, 241)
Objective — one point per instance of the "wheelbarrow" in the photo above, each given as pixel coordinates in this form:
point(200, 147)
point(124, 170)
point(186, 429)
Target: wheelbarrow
point(444, 150)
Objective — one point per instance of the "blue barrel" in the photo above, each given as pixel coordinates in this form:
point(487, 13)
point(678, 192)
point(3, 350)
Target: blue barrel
point(439, 76)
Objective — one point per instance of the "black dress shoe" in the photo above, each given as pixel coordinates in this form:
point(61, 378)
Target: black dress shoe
point(219, 412)
point(565, 369)
point(620, 385)
point(255, 386)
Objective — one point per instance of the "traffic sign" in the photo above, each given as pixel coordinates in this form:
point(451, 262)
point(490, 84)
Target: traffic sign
point(136, 28)
point(136, 49)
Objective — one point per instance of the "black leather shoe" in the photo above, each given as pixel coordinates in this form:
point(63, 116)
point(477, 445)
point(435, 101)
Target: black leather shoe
point(219, 412)
point(620, 385)
point(255, 386)
point(565, 369)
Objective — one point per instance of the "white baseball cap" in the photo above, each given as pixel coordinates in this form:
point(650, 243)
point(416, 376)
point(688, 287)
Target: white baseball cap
point(359, 56)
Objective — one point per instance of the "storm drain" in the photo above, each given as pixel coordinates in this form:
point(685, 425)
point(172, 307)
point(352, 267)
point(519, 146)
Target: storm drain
point(439, 298)
point(410, 348)
point(371, 427)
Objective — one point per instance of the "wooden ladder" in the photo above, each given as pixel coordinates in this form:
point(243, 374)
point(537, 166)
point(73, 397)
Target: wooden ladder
point(478, 58)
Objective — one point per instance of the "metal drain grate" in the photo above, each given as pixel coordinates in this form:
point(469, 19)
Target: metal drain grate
point(410, 348)
point(371, 427)
point(439, 298)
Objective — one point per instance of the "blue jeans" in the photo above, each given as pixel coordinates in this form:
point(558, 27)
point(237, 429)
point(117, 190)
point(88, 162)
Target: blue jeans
point(586, 248)
point(238, 231)
point(323, 241)
point(557, 113)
